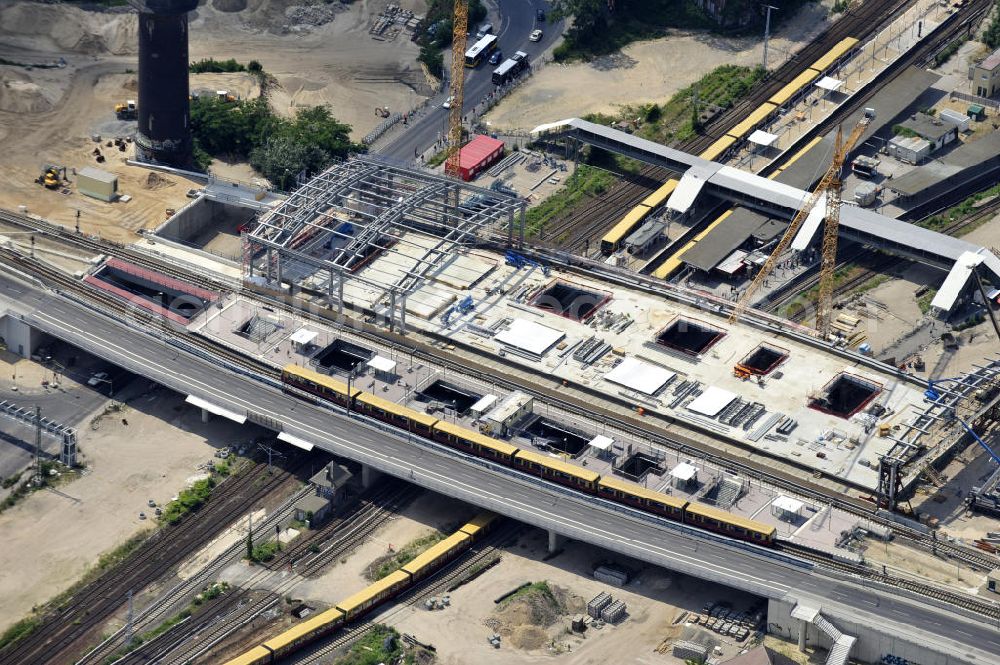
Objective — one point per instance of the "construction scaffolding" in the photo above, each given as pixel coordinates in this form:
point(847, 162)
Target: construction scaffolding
point(326, 232)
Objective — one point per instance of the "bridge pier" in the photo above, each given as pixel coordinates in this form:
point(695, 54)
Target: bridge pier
point(803, 630)
point(555, 541)
point(20, 337)
point(369, 475)
point(205, 415)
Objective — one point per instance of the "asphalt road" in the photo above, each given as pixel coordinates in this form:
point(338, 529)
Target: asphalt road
point(516, 21)
point(577, 516)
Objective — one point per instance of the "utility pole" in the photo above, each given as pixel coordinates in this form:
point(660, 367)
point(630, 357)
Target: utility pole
point(78, 222)
point(767, 32)
point(129, 621)
point(271, 453)
point(38, 445)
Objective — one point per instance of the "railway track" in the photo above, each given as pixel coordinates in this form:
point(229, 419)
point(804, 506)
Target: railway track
point(95, 602)
point(864, 572)
point(878, 262)
point(476, 558)
point(595, 216)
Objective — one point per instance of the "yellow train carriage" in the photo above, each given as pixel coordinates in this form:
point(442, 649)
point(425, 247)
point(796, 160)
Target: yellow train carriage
point(317, 384)
point(394, 414)
point(660, 196)
point(478, 524)
point(556, 470)
point(474, 442)
point(374, 594)
point(437, 555)
point(793, 87)
point(640, 497)
point(750, 123)
point(717, 150)
point(256, 656)
point(612, 240)
point(833, 55)
point(312, 628)
point(714, 519)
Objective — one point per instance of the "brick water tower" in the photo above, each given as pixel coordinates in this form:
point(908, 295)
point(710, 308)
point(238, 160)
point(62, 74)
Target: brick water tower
point(164, 135)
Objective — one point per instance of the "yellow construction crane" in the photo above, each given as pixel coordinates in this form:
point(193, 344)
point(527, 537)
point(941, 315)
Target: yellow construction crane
point(830, 184)
point(459, 35)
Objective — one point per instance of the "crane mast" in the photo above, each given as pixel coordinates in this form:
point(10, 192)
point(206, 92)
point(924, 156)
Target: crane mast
point(830, 185)
point(460, 33)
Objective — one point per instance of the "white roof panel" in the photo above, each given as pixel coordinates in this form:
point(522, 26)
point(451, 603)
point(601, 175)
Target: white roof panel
point(295, 441)
point(809, 227)
point(530, 336)
point(304, 336)
point(601, 442)
point(484, 404)
point(788, 504)
point(690, 186)
point(712, 401)
point(760, 137)
point(829, 83)
point(382, 364)
point(956, 280)
point(636, 375)
point(217, 410)
point(761, 188)
point(683, 471)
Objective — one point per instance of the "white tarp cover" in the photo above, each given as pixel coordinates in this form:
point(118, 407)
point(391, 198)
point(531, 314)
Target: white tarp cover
point(683, 472)
point(760, 137)
point(304, 336)
point(956, 280)
point(787, 504)
point(382, 364)
point(639, 376)
point(710, 402)
point(809, 227)
point(217, 410)
point(295, 441)
point(530, 336)
point(829, 83)
point(484, 404)
point(602, 442)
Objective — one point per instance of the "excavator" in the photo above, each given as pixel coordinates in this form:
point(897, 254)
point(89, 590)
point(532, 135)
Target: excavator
point(126, 110)
point(52, 176)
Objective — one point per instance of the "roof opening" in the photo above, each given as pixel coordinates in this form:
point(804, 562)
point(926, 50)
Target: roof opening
point(689, 336)
point(545, 433)
point(845, 395)
point(762, 360)
point(570, 300)
point(638, 465)
point(449, 395)
point(342, 356)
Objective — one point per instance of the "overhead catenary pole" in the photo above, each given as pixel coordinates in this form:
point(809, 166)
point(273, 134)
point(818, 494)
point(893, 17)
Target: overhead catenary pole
point(767, 32)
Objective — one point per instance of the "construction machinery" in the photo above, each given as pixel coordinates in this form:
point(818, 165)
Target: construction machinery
point(52, 176)
point(126, 110)
point(519, 261)
point(829, 188)
point(460, 33)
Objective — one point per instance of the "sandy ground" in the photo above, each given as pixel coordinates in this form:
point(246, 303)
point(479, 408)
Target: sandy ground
point(47, 116)
point(645, 72)
point(154, 456)
point(655, 598)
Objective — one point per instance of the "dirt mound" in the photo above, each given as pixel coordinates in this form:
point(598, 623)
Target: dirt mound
point(18, 94)
point(156, 181)
point(67, 28)
point(529, 637)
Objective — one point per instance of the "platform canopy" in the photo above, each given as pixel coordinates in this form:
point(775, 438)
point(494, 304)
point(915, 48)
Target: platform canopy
point(530, 336)
point(787, 504)
point(304, 336)
point(601, 442)
point(760, 137)
point(380, 364)
point(712, 401)
point(684, 472)
point(642, 377)
point(956, 280)
point(829, 84)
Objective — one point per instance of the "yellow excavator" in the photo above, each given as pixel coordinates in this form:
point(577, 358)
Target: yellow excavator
point(52, 176)
point(126, 110)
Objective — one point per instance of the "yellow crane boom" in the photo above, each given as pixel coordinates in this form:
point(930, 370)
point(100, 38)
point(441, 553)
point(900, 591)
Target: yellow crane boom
point(460, 33)
point(830, 184)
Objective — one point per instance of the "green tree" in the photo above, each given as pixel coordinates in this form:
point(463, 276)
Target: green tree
point(281, 158)
point(991, 37)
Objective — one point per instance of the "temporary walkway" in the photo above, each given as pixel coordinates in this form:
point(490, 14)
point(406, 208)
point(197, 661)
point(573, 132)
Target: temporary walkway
point(768, 196)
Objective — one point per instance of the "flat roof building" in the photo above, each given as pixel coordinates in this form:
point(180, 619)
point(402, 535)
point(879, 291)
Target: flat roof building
point(985, 76)
point(935, 131)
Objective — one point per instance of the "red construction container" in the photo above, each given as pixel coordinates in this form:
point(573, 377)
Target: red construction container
point(478, 155)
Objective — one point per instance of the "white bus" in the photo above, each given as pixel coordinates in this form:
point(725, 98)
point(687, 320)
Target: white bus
point(480, 50)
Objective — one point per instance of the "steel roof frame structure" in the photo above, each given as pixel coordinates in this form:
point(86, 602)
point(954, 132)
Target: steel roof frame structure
point(364, 207)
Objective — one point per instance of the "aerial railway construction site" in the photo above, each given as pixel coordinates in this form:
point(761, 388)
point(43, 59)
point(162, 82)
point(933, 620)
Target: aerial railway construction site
point(654, 391)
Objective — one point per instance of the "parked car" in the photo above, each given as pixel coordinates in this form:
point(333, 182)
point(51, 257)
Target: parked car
point(535, 36)
point(97, 379)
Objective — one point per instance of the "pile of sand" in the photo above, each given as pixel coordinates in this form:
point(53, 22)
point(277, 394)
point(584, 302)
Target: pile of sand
point(64, 28)
point(529, 638)
point(156, 181)
point(19, 95)
point(524, 619)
